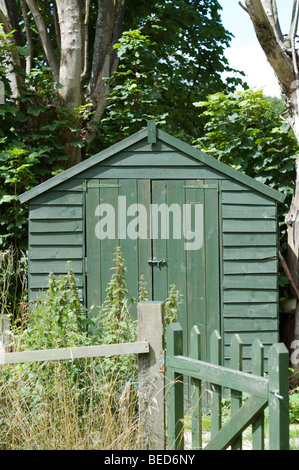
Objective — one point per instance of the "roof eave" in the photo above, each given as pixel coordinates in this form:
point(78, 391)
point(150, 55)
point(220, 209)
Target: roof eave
point(221, 167)
point(85, 165)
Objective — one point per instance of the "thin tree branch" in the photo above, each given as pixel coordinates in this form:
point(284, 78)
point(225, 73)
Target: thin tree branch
point(45, 38)
point(56, 26)
point(116, 36)
point(263, 14)
point(29, 56)
point(276, 20)
point(85, 40)
point(293, 32)
point(243, 6)
point(288, 274)
point(103, 41)
point(289, 36)
point(12, 15)
point(5, 26)
point(3, 19)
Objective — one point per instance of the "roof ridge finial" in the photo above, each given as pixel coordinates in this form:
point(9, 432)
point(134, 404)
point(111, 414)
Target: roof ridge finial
point(151, 132)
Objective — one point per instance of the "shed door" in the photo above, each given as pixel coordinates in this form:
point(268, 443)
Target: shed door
point(168, 232)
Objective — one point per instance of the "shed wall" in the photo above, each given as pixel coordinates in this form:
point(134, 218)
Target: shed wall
point(55, 236)
point(249, 260)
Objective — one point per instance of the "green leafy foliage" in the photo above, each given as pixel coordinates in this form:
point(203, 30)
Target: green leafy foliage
point(294, 406)
point(34, 129)
point(244, 131)
point(171, 305)
point(57, 319)
point(135, 88)
point(115, 323)
point(13, 282)
point(171, 54)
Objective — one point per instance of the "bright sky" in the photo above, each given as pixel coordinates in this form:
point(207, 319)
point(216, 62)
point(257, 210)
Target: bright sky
point(245, 52)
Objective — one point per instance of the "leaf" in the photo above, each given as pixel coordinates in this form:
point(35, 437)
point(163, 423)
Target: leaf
point(77, 143)
point(34, 110)
point(8, 198)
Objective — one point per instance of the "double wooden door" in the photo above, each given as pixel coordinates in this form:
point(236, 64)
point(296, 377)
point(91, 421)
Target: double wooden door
point(168, 232)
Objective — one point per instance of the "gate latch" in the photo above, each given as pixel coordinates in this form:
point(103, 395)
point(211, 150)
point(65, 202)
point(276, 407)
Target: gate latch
point(156, 261)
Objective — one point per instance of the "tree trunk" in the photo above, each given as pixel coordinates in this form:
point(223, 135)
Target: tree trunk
point(292, 221)
point(69, 64)
point(70, 68)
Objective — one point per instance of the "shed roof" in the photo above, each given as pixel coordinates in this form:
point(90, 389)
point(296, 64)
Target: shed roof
point(153, 135)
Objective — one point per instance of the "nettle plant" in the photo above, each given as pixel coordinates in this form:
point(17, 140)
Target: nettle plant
point(58, 318)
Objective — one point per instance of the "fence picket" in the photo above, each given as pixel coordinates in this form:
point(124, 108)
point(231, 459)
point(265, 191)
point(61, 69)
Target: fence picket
point(258, 369)
point(215, 358)
point(175, 389)
point(236, 396)
point(278, 397)
point(196, 402)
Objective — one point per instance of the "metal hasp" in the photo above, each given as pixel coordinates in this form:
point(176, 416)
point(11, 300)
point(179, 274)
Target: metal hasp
point(157, 262)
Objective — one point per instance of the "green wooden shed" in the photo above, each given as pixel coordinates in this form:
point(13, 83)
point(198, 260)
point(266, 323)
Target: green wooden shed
point(180, 217)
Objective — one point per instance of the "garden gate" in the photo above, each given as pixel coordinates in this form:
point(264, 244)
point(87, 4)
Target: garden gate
point(271, 392)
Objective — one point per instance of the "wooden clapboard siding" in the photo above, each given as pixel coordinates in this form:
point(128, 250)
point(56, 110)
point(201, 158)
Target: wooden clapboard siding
point(54, 266)
point(40, 211)
point(143, 172)
point(166, 159)
point(55, 226)
point(249, 267)
point(250, 281)
point(53, 239)
point(56, 236)
point(37, 294)
point(251, 310)
point(39, 281)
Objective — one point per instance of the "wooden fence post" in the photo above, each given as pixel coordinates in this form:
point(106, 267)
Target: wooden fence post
point(278, 397)
point(151, 376)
